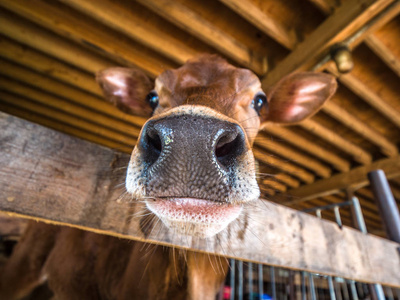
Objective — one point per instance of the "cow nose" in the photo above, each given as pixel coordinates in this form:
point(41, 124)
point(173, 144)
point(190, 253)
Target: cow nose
point(184, 137)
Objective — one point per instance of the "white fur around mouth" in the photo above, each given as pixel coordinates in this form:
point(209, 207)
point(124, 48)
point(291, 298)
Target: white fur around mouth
point(196, 217)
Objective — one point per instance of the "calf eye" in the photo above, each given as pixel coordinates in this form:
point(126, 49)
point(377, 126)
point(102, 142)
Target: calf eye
point(152, 99)
point(258, 102)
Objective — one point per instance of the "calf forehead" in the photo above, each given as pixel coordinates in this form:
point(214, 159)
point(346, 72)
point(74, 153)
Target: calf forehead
point(207, 81)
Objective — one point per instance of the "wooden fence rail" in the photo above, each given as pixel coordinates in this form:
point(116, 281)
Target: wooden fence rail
point(49, 176)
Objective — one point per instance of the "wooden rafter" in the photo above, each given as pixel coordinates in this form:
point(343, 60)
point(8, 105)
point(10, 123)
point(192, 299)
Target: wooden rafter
point(346, 20)
point(308, 146)
point(354, 178)
point(263, 22)
point(85, 33)
point(294, 156)
point(201, 28)
point(124, 122)
point(51, 44)
point(41, 63)
point(336, 140)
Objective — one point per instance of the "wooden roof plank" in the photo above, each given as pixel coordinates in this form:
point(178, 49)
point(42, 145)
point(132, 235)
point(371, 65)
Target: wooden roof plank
point(287, 180)
point(296, 140)
point(265, 23)
point(355, 178)
point(342, 115)
point(85, 185)
point(123, 121)
point(51, 44)
point(298, 158)
point(52, 67)
point(358, 154)
point(288, 167)
point(74, 27)
point(371, 98)
point(204, 30)
point(386, 54)
point(346, 19)
point(60, 113)
point(115, 16)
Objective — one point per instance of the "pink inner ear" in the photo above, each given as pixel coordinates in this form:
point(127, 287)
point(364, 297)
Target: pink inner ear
point(126, 89)
point(299, 96)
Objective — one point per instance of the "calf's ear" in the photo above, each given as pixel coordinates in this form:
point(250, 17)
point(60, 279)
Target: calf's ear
point(298, 96)
point(127, 89)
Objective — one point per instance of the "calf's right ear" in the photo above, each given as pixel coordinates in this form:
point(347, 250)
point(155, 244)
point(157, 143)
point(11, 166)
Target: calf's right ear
point(127, 89)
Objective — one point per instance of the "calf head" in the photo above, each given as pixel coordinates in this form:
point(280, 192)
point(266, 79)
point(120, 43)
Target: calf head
point(193, 165)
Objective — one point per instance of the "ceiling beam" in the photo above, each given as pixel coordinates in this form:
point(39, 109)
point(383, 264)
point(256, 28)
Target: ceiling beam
point(33, 36)
point(81, 30)
point(304, 144)
point(121, 19)
point(358, 153)
point(384, 52)
point(265, 23)
point(351, 16)
point(284, 166)
point(192, 22)
point(350, 121)
point(48, 65)
point(305, 161)
point(354, 179)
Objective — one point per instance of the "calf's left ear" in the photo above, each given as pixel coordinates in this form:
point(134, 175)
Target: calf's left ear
point(127, 89)
point(298, 96)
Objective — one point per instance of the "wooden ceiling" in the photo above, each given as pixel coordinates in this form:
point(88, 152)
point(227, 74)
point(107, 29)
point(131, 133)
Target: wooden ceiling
point(50, 50)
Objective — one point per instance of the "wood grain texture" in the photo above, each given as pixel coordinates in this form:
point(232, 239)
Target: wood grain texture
point(59, 179)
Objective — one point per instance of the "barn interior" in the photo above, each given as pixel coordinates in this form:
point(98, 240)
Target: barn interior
point(50, 51)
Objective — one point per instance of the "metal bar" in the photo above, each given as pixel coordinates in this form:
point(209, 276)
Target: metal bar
point(389, 293)
point(357, 214)
point(326, 207)
point(353, 290)
point(240, 277)
point(260, 281)
point(232, 279)
point(387, 205)
point(272, 273)
point(303, 286)
point(345, 290)
point(250, 282)
point(312, 287)
point(331, 289)
point(379, 292)
point(337, 216)
point(292, 295)
point(338, 290)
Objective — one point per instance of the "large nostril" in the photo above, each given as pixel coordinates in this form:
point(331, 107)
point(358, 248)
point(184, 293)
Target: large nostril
point(150, 143)
point(230, 145)
point(154, 141)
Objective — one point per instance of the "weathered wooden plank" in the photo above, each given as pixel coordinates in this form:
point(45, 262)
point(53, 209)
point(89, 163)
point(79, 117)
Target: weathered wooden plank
point(53, 177)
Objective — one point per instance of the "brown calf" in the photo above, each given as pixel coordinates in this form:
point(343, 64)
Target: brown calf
point(192, 167)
